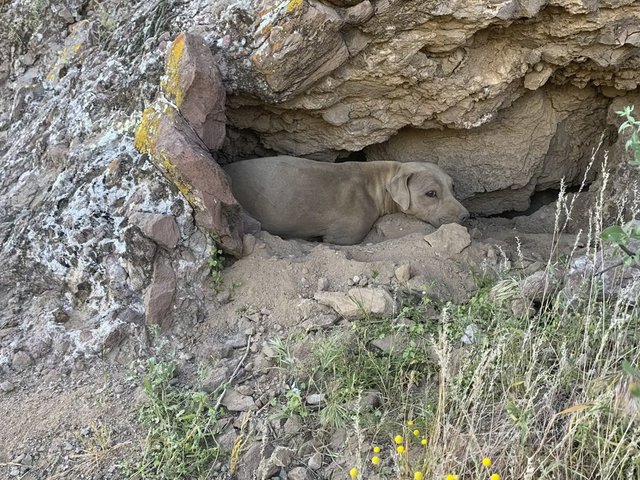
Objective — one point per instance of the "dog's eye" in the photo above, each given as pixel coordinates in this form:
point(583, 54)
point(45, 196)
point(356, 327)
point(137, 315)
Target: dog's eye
point(431, 193)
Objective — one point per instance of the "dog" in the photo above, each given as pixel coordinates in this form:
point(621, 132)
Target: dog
point(340, 202)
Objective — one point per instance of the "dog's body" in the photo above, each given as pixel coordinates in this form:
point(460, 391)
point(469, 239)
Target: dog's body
point(296, 197)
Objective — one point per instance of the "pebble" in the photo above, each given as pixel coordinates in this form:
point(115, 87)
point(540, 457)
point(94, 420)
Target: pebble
point(7, 386)
point(21, 360)
point(282, 456)
point(293, 425)
point(298, 473)
point(315, 461)
point(323, 284)
point(315, 398)
point(237, 341)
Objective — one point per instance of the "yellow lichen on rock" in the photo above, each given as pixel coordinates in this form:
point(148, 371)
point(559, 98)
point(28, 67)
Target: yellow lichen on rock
point(145, 137)
point(171, 82)
point(293, 4)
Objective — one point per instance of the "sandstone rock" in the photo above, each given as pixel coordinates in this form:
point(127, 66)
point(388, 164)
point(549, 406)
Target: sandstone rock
point(358, 302)
point(449, 239)
point(237, 402)
point(359, 13)
point(290, 60)
point(162, 229)
point(159, 297)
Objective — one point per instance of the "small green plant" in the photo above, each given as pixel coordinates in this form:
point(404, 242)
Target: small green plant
point(633, 143)
point(181, 427)
point(622, 235)
point(216, 264)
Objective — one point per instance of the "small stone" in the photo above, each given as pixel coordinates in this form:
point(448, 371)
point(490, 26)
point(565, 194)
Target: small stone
point(227, 439)
point(449, 240)
point(315, 461)
point(237, 341)
point(315, 399)
point(223, 297)
point(7, 386)
point(282, 456)
point(248, 244)
point(355, 279)
point(390, 343)
point(319, 322)
point(21, 361)
point(234, 401)
point(60, 316)
point(358, 302)
point(214, 379)
point(268, 351)
point(470, 333)
point(293, 425)
point(299, 473)
point(245, 389)
point(403, 273)
point(323, 284)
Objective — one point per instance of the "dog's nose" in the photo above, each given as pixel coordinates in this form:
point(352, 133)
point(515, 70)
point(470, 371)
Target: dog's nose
point(464, 217)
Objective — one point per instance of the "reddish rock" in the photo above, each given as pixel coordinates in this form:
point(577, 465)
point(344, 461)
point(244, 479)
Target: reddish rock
point(177, 151)
point(179, 134)
point(162, 229)
point(194, 84)
point(158, 298)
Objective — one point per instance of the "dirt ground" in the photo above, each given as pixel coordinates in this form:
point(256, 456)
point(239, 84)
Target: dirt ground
point(79, 420)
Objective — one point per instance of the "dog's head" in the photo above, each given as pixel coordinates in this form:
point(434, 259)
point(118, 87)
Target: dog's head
point(425, 191)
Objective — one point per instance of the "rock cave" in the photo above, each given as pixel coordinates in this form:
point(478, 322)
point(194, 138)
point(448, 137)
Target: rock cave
point(130, 270)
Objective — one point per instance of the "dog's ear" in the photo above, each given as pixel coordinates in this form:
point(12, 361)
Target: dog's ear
point(398, 188)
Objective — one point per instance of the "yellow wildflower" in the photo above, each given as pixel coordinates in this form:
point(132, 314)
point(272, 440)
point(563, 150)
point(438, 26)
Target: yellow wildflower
point(398, 439)
point(423, 441)
point(353, 473)
point(410, 423)
point(495, 476)
point(375, 460)
point(417, 476)
point(416, 432)
point(400, 449)
point(451, 476)
point(376, 449)
point(486, 461)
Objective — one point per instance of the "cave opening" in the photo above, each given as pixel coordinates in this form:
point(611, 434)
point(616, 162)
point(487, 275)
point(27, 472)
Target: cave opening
point(540, 199)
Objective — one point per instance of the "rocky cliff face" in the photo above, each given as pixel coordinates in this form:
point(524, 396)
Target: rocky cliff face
point(508, 96)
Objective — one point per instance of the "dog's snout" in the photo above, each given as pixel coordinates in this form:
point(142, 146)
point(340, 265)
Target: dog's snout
point(464, 216)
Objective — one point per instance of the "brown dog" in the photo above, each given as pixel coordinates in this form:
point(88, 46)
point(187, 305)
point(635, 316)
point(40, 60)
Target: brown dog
point(296, 197)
